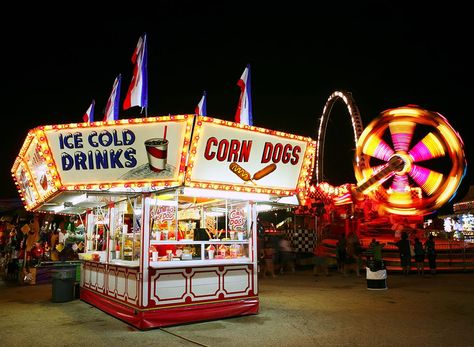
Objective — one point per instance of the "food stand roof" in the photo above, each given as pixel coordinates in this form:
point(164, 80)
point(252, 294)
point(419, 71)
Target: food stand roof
point(72, 167)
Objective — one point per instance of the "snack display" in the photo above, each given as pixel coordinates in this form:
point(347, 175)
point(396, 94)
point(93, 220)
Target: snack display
point(222, 251)
point(214, 234)
point(210, 251)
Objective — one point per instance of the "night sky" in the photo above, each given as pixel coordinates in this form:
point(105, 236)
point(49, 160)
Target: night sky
point(385, 53)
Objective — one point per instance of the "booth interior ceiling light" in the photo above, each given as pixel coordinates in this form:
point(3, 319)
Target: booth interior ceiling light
point(289, 200)
point(215, 214)
point(57, 209)
point(78, 199)
point(264, 208)
point(163, 202)
point(78, 202)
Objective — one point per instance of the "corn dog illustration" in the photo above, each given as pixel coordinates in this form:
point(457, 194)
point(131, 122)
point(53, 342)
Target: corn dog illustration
point(265, 171)
point(240, 171)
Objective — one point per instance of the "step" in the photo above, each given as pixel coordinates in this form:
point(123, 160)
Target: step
point(438, 268)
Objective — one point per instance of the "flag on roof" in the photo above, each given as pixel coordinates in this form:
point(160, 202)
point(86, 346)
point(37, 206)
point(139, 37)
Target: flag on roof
point(137, 94)
point(112, 108)
point(201, 108)
point(244, 108)
point(88, 117)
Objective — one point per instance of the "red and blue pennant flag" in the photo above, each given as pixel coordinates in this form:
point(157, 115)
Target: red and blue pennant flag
point(112, 107)
point(137, 94)
point(244, 108)
point(88, 117)
point(201, 108)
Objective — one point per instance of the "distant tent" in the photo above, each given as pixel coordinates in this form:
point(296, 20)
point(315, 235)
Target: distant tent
point(466, 205)
point(10, 204)
point(12, 210)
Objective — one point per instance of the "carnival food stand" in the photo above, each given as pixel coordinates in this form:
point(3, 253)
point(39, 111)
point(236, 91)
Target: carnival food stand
point(170, 206)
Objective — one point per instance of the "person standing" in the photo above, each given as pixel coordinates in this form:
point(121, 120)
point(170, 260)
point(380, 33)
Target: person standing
point(375, 255)
point(419, 257)
point(286, 256)
point(404, 252)
point(320, 261)
point(341, 253)
point(353, 253)
point(431, 253)
point(268, 256)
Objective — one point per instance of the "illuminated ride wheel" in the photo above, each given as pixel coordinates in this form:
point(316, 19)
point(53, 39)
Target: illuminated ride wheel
point(409, 160)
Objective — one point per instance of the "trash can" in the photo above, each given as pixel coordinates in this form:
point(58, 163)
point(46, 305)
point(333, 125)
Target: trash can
point(64, 278)
point(376, 280)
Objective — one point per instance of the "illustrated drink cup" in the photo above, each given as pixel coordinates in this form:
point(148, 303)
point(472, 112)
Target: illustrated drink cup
point(157, 152)
point(211, 253)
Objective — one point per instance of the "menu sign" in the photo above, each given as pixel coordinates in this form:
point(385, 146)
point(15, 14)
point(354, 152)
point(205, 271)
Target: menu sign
point(236, 156)
point(39, 169)
point(23, 179)
point(146, 151)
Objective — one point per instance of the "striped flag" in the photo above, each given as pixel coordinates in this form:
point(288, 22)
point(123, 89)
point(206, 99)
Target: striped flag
point(112, 108)
point(88, 117)
point(137, 94)
point(201, 108)
point(244, 108)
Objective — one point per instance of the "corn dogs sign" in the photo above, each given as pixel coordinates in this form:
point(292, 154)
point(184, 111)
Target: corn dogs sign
point(227, 154)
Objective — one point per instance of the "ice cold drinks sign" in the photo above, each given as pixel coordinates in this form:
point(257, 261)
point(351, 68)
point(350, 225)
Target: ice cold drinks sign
point(119, 153)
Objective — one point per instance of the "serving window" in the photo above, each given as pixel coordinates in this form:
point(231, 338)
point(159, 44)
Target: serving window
point(198, 230)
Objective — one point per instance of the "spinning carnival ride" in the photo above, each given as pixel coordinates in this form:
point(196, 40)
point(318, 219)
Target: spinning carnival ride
point(408, 160)
point(422, 169)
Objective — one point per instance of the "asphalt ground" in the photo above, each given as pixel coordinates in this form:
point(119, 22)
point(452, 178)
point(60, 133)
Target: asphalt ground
point(296, 309)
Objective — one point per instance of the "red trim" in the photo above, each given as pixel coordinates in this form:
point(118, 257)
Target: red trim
point(148, 319)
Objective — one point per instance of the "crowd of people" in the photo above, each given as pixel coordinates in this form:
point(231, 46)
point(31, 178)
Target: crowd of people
point(275, 255)
point(351, 256)
point(28, 242)
point(416, 252)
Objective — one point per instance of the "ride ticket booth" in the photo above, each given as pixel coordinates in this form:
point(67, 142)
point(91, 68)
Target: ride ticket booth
point(170, 206)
